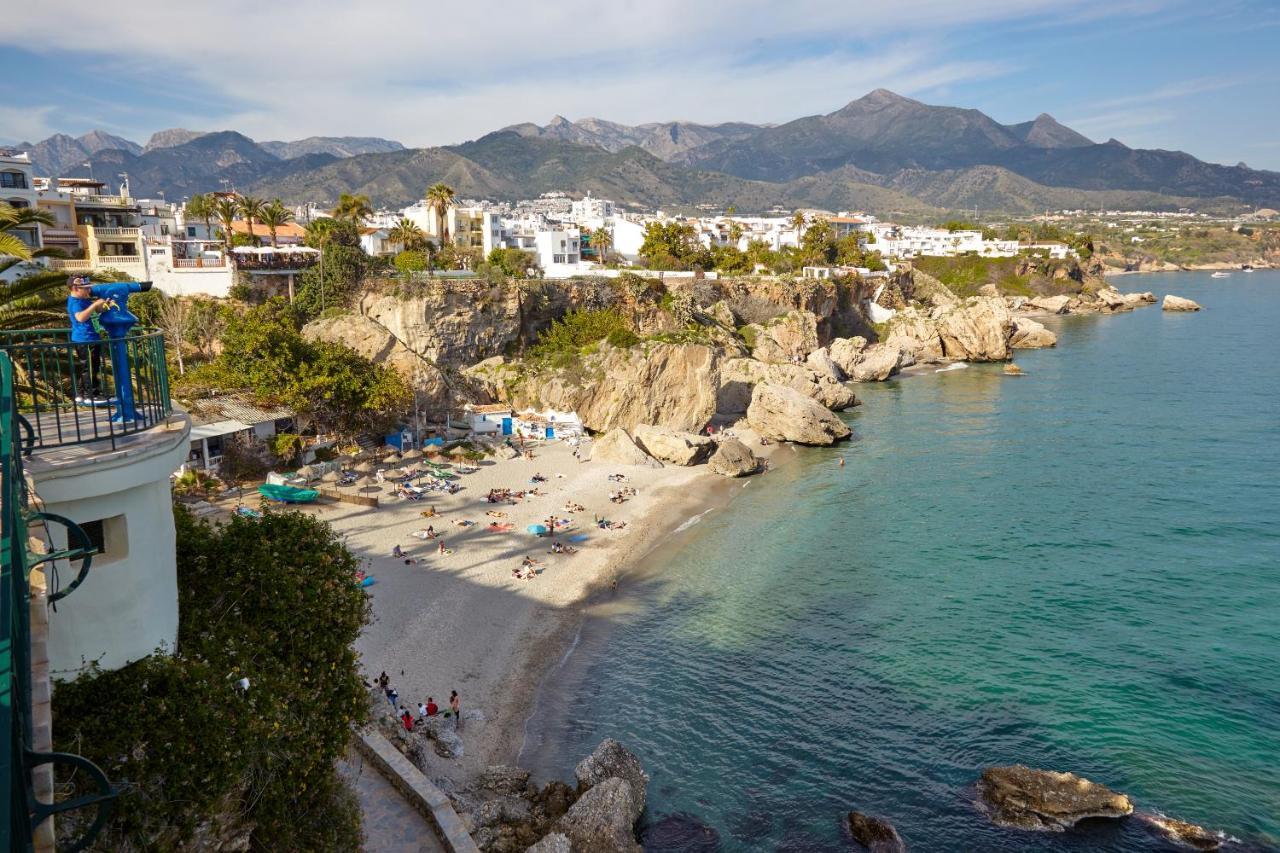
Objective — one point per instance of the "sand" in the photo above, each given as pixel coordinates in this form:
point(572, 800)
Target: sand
point(462, 622)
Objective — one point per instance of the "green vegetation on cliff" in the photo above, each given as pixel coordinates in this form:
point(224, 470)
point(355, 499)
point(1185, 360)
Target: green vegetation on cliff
point(273, 600)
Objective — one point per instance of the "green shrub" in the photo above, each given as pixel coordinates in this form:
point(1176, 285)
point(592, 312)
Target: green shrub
point(568, 337)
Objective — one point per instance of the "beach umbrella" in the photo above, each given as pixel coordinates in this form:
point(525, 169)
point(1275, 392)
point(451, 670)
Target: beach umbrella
point(537, 529)
point(459, 451)
point(411, 455)
point(391, 458)
point(367, 483)
point(364, 468)
point(331, 477)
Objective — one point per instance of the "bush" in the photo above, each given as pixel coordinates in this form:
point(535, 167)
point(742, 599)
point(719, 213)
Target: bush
point(411, 261)
point(273, 600)
point(569, 336)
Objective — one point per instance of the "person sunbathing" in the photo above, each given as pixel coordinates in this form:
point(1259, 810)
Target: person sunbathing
point(493, 513)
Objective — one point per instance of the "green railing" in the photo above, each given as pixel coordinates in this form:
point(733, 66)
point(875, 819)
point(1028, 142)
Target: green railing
point(23, 812)
point(55, 380)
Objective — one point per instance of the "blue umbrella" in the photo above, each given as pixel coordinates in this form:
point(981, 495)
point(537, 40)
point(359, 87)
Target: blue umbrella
point(537, 529)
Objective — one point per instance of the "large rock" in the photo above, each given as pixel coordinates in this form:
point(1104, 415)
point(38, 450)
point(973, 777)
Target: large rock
point(846, 352)
point(786, 339)
point(1028, 334)
point(821, 363)
point(1052, 304)
point(739, 375)
point(618, 447)
point(875, 834)
point(377, 344)
point(443, 733)
point(675, 385)
point(732, 459)
point(556, 842)
point(979, 329)
point(602, 820)
point(612, 760)
point(673, 446)
point(1024, 798)
point(877, 363)
point(913, 332)
point(784, 414)
point(1177, 303)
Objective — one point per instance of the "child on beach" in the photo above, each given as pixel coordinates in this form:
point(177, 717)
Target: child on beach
point(455, 705)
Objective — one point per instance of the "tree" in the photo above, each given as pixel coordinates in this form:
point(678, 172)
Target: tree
point(191, 749)
point(818, 245)
point(200, 206)
point(332, 232)
point(225, 210)
point(353, 208)
point(37, 299)
point(672, 245)
point(735, 233)
point(516, 263)
point(797, 222)
point(407, 233)
point(440, 198)
point(410, 261)
point(172, 317)
point(274, 215)
point(602, 242)
point(251, 208)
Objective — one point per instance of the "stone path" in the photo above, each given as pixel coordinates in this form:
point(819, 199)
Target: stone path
point(390, 824)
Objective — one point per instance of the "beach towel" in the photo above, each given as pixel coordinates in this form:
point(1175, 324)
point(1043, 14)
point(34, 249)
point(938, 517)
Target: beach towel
point(500, 528)
point(368, 581)
point(581, 537)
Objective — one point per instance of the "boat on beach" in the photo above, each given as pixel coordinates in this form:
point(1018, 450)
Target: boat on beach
point(1221, 274)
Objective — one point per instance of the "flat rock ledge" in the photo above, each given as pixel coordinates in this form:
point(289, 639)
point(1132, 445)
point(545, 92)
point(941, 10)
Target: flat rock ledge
point(1177, 303)
point(1022, 797)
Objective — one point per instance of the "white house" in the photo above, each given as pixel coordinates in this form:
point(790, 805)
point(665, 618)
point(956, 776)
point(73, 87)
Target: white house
point(548, 425)
point(491, 419)
point(219, 420)
point(560, 252)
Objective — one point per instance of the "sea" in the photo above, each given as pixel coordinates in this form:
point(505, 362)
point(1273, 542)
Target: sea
point(1076, 569)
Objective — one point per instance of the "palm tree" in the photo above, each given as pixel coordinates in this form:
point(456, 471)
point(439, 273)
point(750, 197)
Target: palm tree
point(352, 208)
point(735, 233)
point(37, 299)
point(440, 197)
point(200, 206)
point(407, 233)
point(225, 210)
point(797, 222)
point(601, 241)
point(274, 215)
point(252, 209)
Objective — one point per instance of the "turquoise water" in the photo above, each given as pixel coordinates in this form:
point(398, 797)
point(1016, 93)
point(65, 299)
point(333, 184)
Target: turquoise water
point(1077, 569)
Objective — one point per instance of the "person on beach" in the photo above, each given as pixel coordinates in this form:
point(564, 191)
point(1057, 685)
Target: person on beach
point(397, 552)
point(455, 705)
point(392, 696)
point(440, 550)
point(432, 708)
point(422, 711)
point(407, 719)
point(384, 681)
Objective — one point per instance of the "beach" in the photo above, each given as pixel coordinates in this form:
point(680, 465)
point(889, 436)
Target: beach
point(461, 621)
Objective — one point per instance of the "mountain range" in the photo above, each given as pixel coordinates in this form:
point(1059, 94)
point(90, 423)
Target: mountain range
point(882, 152)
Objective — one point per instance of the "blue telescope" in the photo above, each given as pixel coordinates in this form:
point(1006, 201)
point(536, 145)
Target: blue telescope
point(118, 320)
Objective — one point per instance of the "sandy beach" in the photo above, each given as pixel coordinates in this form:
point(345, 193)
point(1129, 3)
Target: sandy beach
point(461, 621)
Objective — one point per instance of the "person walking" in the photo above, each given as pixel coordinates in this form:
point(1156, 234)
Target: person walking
point(455, 705)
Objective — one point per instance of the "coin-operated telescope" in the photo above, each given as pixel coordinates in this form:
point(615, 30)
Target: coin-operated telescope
point(118, 321)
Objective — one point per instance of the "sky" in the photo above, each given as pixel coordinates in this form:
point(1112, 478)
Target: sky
point(1174, 74)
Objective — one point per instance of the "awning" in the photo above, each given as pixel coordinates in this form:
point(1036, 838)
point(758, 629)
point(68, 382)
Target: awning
point(217, 428)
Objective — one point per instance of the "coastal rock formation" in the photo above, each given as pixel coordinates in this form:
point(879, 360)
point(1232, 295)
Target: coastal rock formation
point(443, 733)
point(1108, 300)
point(739, 375)
point(989, 290)
point(556, 842)
point(612, 760)
point(618, 447)
point(1051, 304)
point(877, 363)
point(1028, 334)
point(820, 362)
point(1177, 303)
point(1024, 798)
point(602, 820)
point(930, 291)
point(674, 447)
point(978, 329)
point(913, 332)
point(845, 353)
point(783, 339)
point(733, 459)
point(875, 834)
point(784, 414)
point(1180, 833)
point(378, 345)
point(1012, 369)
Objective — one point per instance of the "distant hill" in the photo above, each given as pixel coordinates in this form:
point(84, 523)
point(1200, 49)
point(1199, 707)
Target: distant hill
point(171, 138)
point(338, 146)
point(60, 153)
point(663, 140)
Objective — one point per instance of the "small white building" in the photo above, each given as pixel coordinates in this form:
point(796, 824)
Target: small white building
point(216, 421)
point(549, 425)
point(491, 419)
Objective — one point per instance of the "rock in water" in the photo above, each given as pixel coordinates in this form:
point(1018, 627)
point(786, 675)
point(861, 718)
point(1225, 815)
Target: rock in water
point(877, 363)
point(820, 362)
point(1025, 798)
point(1052, 304)
point(783, 414)
point(979, 329)
point(1012, 369)
point(846, 352)
point(1177, 303)
point(733, 459)
point(680, 833)
point(1180, 833)
point(673, 446)
point(601, 820)
point(612, 760)
point(739, 375)
point(618, 447)
point(875, 834)
point(1028, 334)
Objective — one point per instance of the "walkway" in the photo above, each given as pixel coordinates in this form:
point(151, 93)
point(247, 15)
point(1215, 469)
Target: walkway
point(390, 824)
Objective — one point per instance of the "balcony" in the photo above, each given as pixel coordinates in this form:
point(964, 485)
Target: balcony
point(70, 264)
point(100, 200)
point(48, 368)
point(199, 263)
point(118, 260)
point(112, 231)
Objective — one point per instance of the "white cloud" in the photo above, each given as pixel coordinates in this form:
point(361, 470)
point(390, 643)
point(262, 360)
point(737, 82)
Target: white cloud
point(440, 73)
point(26, 124)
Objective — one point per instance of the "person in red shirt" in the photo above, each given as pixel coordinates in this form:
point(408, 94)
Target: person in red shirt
point(407, 719)
point(432, 708)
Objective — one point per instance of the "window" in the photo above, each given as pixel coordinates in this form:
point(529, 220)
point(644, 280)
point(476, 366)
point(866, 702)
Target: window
point(191, 231)
point(109, 538)
point(13, 180)
point(164, 230)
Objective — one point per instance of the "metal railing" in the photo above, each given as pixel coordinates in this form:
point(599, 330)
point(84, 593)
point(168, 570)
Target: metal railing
point(114, 231)
point(120, 259)
point(199, 263)
point(69, 264)
point(23, 811)
point(56, 381)
point(281, 262)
